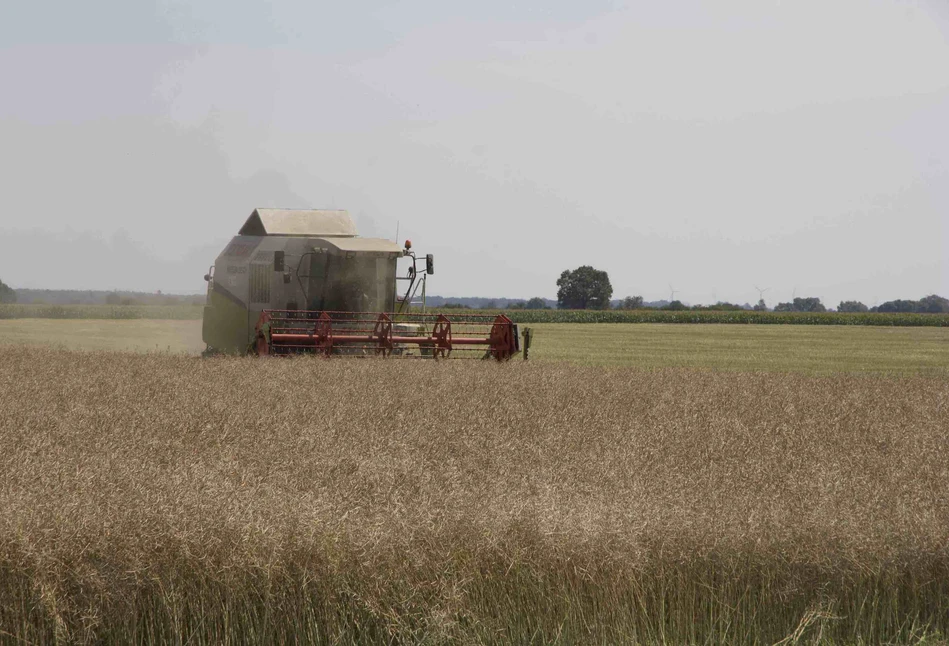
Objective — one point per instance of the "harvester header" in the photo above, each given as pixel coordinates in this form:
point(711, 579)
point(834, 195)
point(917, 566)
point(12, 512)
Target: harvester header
point(433, 336)
point(303, 282)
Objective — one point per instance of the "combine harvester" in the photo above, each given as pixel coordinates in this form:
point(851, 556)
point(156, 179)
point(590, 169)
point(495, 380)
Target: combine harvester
point(302, 281)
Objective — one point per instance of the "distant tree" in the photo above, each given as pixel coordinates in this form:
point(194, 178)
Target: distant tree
point(455, 306)
point(811, 304)
point(852, 306)
point(490, 305)
point(898, 305)
point(536, 303)
point(933, 304)
point(7, 293)
point(761, 306)
point(675, 306)
point(517, 305)
point(584, 288)
point(631, 303)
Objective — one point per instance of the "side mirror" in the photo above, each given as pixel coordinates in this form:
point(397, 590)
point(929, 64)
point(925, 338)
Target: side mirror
point(207, 278)
point(286, 280)
point(278, 261)
point(429, 264)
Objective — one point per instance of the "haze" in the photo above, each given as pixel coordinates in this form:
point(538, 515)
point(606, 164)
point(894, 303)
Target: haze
point(801, 146)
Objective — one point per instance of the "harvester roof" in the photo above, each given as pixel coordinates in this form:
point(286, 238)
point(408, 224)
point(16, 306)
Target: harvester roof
point(299, 222)
point(378, 245)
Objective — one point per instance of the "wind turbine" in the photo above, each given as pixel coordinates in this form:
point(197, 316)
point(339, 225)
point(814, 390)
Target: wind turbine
point(761, 292)
point(672, 293)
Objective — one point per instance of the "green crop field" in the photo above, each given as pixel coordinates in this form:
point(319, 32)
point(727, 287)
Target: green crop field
point(744, 317)
point(814, 349)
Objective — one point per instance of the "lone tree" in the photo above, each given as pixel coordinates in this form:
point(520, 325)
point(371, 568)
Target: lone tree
point(761, 306)
point(536, 303)
point(584, 288)
point(7, 293)
point(631, 303)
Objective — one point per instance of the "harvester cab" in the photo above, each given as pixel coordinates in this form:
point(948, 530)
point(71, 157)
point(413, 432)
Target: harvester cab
point(303, 281)
point(416, 279)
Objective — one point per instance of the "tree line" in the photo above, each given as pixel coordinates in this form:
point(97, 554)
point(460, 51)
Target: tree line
point(536, 303)
point(579, 289)
point(7, 293)
point(589, 288)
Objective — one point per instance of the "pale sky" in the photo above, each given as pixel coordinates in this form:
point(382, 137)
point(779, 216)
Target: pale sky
point(800, 145)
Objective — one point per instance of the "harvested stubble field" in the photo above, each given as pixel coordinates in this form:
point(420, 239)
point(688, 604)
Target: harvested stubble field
point(809, 348)
point(100, 312)
point(172, 499)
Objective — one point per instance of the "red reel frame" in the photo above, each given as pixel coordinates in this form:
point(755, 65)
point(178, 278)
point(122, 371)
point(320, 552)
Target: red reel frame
point(286, 332)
